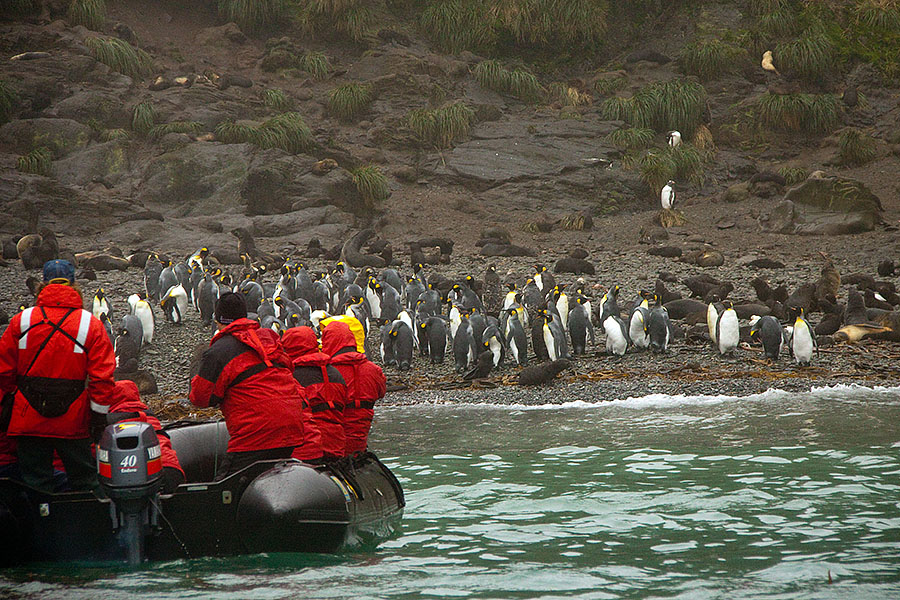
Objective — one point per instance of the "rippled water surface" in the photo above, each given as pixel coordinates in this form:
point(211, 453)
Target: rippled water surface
point(774, 496)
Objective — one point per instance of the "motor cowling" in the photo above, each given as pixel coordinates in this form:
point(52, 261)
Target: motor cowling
point(129, 461)
point(129, 466)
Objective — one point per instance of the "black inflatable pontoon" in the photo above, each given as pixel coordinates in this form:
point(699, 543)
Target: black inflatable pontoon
point(270, 506)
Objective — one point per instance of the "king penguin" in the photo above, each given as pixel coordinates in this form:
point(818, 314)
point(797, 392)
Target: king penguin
point(659, 329)
point(516, 340)
point(561, 301)
point(100, 304)
point(616, 335)
point(768, 330)
point(492, 340)
point(580, 327)
point(803, 341)
point(728, 330)
point(554, 338)
point(175, 303)
point(143, 311)
point(638, 325)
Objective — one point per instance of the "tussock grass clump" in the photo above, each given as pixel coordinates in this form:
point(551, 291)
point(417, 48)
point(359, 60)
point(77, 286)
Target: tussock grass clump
point(159, 131)
point(608, 85)
point(120, 56)
point(566, 95)
point(372, 185)
point(883, 15)
point(8, 100)
point(764, 7)
point(632, 138)
point(703, 139)
point(230, 132)
point(315, 63)
point(348, 101)
point(809, 113)
point(457, 25)
point(142, 118)
point(709, 59)
point(17, 8)
point(682, 163)
point(675, 104)
point(90, 13)
point(550, 24)
point(617, 109)
point(277, 99)
point(349, 18)
point(441, 127)
point(108, 135)
point(287, 131)
point(37, 162)
point(782, 22)
point(516, 82)
point(856, 147)
point(252, 16)
point(793, 175)
point(810, 57)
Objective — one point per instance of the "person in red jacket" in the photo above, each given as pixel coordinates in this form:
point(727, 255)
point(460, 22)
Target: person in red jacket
point(59, 361)
point(127, 406)
point(326, 395)
point(365, 384)
point(246, 372)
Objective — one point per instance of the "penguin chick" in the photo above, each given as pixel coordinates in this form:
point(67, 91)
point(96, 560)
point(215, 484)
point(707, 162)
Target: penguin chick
point(542, 373)
point(482, 367)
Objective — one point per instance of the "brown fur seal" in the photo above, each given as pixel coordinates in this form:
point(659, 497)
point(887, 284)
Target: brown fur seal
point(28, 249)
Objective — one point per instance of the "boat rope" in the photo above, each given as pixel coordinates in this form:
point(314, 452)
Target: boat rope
point(160, 512)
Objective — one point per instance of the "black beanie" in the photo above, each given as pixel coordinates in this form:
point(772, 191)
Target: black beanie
point(230, 308)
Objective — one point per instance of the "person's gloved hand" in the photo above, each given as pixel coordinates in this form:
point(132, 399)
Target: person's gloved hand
point(96, 426)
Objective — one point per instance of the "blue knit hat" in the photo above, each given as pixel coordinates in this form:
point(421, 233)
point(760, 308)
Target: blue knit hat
point(56, 270)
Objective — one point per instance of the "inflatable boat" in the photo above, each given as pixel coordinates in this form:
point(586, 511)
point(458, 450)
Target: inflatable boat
point(269, 506)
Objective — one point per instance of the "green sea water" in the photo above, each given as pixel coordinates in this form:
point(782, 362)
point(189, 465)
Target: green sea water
point(773, 496)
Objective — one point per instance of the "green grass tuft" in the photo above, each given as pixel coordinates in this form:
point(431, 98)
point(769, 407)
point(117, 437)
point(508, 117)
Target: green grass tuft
point(252, 16)
point(315, 63)
point(348, 101)
point(287, 131)
point(882, 15)
point(90, 13)
point(8, 101)
point(764, 7)
point(810, 57)
point(809, 113)
point(441, 127)
point(120, 56)
point(457, 25)
point(782, 22)
point(109, 135)
point(608, 85)
point(277, 99)
point(229, 132)
point(143, 118)
point(675, 104)
point(682, 163)
point(617, 109)
point(350, 18)
point(710, 59)
point(517, 82)
point(856, 147)
point(37, 162)
point(793, 175)
point(372, 185)
point(159, 131)
point(565, 95)
point(631, 138)
point(18, 8)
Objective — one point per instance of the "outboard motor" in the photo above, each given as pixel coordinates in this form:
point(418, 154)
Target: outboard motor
point(129, 461)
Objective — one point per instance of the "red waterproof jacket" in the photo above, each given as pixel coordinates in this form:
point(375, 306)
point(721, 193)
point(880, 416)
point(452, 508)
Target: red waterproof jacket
point(127, 403)
point(365, 383)
point(246, 371)
point(60, 361)
point(326, 395)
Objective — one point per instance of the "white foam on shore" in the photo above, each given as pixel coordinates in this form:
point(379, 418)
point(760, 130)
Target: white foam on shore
point(840, 392)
